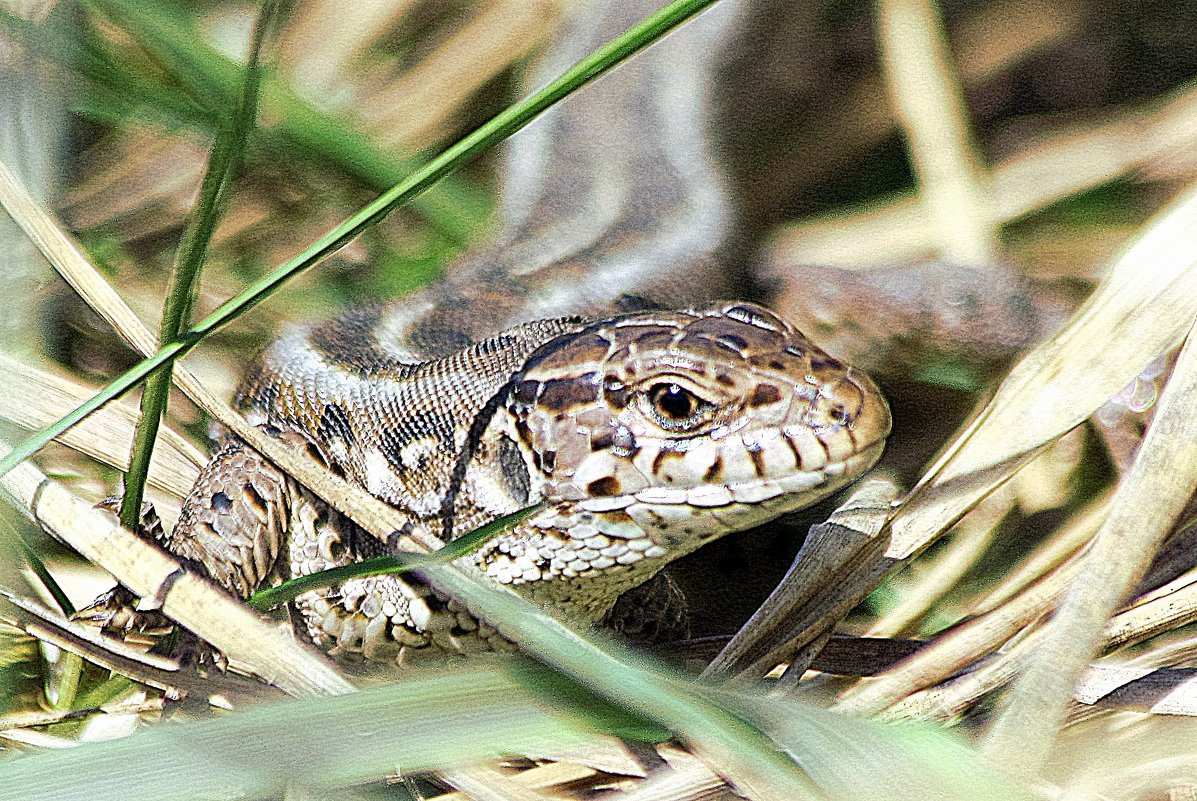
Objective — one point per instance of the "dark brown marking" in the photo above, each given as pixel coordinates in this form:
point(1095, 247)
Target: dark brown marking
point(821, 361)
point(715, 471)
point(221, 502)
point(725, 379)
point(764, 394)
point(348, 341)
point(757, 454)
point(662, 455)
point(625, 443)
point(562, 394)
point(580, 349)
point(514, 470)
point(793, 449)
point(393, 539)
point(628, 303)
point(826, 449)
point(616, 394)
point(754, 316)
point(524, 433)
point(315, 454)
point(839, 414)
point(602, 440)
point(604, 487)
point(334, 424)
point(254, 499)
point(776, 364)
point(525, 392)
point(390, 444)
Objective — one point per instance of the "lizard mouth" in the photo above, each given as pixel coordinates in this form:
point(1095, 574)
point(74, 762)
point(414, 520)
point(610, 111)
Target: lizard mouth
point(652, 526)
point(779, 494)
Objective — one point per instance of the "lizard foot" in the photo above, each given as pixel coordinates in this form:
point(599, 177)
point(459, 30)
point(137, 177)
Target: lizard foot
point(116, 612)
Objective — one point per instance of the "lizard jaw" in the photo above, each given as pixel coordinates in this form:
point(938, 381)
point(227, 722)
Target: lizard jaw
point(607, 545)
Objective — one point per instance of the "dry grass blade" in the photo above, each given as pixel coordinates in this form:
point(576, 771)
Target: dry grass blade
point(934, 116)
point(1142, 514)
point(1067, 540)
point(1166, 608)
point(25, 720)
point(1159, 691)
point(970, 539)
point(34, 398)
point(150, 573)
point(687, 779)
point(540, 777)
point(1142, 683)
point(995, 623)
point(989, 40)
point(806, 602)
point(1059, 165)
point(484, 783)
point(412, 110)
point(957, 648)
point(67, 257)
point(1142, 308)
point(112, 654)
point(900, 689)
point(317, 48)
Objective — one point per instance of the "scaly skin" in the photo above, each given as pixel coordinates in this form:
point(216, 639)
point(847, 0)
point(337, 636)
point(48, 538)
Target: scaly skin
point(646, 433)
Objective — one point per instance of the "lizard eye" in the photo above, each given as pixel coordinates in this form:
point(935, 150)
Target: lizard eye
point(675, 408)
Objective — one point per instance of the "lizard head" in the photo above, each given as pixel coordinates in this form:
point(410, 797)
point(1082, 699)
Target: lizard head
point(677, 427)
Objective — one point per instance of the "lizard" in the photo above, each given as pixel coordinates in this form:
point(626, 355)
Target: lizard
point(583, 362)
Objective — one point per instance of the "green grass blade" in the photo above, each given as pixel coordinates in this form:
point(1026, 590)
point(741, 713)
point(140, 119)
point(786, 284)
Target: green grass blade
point(455, 209)
point(271, 597)
point(488, 134)
point(454, 717)
point(866, 759)
point(736, 748)
point(193, 247)
point(108, 92)
point(9, 534)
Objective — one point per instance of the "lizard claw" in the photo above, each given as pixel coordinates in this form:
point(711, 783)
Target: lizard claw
point(116, 612)
point(149, 525)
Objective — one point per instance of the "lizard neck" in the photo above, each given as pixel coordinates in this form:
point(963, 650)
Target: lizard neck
point(611, 202)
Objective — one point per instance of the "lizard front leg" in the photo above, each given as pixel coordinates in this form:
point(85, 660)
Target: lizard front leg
point(231, 529)
point(234, 520)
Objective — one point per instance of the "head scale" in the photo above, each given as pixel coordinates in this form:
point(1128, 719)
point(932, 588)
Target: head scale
point(694, 423)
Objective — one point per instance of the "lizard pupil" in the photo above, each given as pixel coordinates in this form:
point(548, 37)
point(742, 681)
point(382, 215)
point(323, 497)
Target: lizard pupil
point(673, 402)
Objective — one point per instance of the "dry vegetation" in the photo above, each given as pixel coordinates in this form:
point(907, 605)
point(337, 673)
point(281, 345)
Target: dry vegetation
point(1033, 591)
